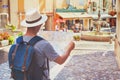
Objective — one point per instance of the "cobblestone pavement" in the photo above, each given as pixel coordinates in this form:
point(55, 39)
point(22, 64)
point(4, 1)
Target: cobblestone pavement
point(99, 65)
point(95, 61)
point(3, 56)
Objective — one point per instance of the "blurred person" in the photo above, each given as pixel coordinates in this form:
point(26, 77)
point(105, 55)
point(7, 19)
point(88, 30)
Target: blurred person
point(57, 26)
point(77, 26)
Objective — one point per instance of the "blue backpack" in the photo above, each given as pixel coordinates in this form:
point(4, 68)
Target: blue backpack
point(22, 61)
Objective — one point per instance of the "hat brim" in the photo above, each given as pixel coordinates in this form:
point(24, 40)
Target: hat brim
point(41, 21)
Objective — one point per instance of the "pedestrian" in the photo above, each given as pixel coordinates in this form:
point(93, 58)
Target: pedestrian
point(57, 26)
point(73, 28)
point(77, 26)
point(65, 28)
point(81, 27)
point(44, 50)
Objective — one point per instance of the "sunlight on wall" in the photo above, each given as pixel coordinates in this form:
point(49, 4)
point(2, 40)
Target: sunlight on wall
point(49, 5)
point(31, 4)
point(21, 5)
point(79, 4)
point(61, 4)
point(42, 5)
point(13, 12)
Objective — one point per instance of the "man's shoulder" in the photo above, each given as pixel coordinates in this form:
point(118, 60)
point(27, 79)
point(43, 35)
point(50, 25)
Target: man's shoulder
point(42, 43)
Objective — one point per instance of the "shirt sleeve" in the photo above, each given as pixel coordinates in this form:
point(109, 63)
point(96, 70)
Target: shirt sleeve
point(50, 52)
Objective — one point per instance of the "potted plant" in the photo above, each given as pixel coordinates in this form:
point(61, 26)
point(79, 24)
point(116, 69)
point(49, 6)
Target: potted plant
point(4, 39)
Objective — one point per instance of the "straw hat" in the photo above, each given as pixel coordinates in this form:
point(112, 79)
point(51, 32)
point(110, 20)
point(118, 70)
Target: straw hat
point(33, 18)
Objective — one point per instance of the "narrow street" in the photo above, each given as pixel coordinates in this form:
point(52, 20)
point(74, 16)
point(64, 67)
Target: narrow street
point(88, 61)
point(94, 25)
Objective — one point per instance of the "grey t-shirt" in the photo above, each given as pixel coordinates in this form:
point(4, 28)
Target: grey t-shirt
point(44, 50)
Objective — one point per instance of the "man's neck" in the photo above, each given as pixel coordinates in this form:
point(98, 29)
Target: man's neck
point(30, 34)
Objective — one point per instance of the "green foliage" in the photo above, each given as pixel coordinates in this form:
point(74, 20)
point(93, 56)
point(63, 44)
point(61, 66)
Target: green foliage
point(20, 34)
point(11, 26)
point(11, 40)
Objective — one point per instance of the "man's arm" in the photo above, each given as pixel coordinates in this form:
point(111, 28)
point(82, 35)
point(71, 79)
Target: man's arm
point(61, 59)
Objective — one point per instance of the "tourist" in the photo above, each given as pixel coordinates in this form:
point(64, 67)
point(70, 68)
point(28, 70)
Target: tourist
point(44, 50)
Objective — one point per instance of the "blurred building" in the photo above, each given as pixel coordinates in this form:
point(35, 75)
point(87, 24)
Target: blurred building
point(66, 11)
point(4, 13)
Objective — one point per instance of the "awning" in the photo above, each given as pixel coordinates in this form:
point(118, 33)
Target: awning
point(95, 16)
point(69, 15)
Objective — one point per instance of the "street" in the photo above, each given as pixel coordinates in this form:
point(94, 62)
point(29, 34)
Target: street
point(88, 61)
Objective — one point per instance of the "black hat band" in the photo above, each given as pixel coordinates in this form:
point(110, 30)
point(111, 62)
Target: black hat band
point(30, 22)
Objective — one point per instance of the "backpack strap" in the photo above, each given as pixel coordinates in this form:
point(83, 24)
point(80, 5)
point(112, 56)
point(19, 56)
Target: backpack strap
point(48, 66)
point(23, 66)
point(30, 43)
point(13, 55)
point(34, 40)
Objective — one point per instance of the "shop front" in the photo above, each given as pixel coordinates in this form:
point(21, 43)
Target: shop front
point(70, 17)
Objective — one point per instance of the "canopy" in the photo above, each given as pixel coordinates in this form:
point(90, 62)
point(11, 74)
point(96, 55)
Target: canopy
point(71, 15)
point(68, 15)
point(95, 16)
